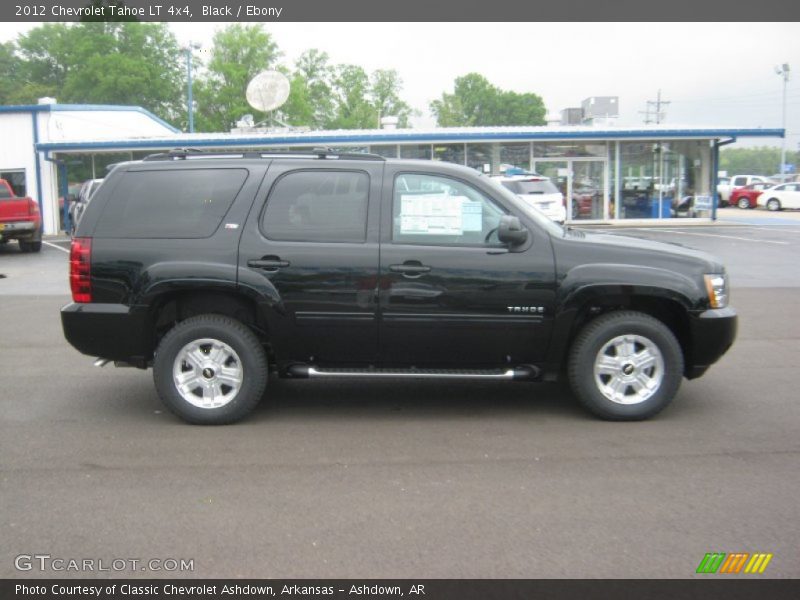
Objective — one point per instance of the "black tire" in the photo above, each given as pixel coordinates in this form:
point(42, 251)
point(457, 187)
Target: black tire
point(773, 204)
point(596, 336)
point(30, 246)
point(252, 362)
point(743, 203)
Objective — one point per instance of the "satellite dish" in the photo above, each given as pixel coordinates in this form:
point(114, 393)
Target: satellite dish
point(267, 91)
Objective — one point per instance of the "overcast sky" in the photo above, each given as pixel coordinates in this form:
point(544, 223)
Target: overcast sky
point(712, 73)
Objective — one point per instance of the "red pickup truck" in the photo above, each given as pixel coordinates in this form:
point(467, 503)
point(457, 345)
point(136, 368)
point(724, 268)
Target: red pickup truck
point(19, 219)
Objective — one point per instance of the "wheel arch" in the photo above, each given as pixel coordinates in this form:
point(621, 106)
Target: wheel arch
point(174, 306)
point(666, 305)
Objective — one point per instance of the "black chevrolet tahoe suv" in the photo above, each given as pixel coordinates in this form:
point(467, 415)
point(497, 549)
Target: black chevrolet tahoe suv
point(223, 270)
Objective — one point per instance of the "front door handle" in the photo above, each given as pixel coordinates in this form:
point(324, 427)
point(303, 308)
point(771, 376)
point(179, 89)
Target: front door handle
point(410, 269)
point(272, 263)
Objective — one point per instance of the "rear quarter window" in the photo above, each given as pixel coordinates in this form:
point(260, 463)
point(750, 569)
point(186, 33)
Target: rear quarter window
point(185, 203)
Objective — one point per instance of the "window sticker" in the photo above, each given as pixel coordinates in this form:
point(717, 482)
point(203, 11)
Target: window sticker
point(472, 215)
point(433, 214)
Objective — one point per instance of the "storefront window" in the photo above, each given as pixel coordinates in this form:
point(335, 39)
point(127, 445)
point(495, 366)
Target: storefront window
point(516, 155)
point(421, 151)
point(569, 149)
point(479, 157)
point(664, 179)
point(387, 151)
point(16, 179)
point(453, 153)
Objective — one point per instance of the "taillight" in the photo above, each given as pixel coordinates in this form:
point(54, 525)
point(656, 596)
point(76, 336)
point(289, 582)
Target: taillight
point(33, 207)
point(80, 269)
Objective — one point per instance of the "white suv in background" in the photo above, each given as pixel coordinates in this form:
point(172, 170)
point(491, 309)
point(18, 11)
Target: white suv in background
point(536, 191)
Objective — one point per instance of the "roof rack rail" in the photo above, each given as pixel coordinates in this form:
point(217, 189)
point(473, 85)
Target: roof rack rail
point(322, 153)
point(331, 153)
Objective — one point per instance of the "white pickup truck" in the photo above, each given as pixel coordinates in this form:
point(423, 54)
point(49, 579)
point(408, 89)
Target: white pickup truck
point(726, 185)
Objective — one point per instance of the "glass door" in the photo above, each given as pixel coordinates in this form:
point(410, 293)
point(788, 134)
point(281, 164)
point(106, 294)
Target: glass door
point(588, 193)
point(582, 181)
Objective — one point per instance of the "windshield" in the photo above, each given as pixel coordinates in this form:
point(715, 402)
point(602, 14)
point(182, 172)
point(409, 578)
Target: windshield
point(551, 226)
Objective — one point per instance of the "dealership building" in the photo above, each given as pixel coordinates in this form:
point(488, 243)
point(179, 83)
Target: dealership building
point(607, 173)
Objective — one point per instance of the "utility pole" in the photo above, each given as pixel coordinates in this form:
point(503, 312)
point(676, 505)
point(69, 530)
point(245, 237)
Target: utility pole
point(783, 71)
point(654, 109)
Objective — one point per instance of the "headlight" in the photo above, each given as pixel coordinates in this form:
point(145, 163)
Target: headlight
point(717, 288)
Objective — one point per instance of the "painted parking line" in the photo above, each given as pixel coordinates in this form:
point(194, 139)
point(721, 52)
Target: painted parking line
point(779, 228)
point(758, 221)
point(56, 246)
point(717, 235)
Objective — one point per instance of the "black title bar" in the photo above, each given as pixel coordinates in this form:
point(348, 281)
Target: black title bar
point(401, 10)
point(709, 588)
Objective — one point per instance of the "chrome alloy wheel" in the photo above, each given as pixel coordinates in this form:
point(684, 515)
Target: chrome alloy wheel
point(629, 369)
point(207, 373)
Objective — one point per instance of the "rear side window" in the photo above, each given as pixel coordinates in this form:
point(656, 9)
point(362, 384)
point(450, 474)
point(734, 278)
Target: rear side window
point(318, 206)
point(186, 203)
point(4, 193)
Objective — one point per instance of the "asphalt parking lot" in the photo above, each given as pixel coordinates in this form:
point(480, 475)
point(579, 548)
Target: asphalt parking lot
point(346, 479)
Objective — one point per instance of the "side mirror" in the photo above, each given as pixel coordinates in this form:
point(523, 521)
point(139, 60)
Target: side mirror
point(510, 231)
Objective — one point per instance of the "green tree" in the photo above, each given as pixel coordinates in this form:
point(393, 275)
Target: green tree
point(317, 73)
point(762, 160)
point(238, 53)
point(351, 93)
point(9, 72)
point(103, 63)
point(476, 102)
point(386, 87)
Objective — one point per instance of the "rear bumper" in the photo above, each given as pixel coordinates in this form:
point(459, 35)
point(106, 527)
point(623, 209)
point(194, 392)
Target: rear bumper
point(25, 230)
point(712, 332)
point(554, 212)
point(112, 331)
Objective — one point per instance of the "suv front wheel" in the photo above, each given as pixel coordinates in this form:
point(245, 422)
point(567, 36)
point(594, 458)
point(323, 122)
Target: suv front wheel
point(210, 370)
point(625, 366)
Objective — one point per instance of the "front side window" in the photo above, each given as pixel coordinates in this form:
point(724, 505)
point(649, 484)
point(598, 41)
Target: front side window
point(436, 210)
point(318, 206)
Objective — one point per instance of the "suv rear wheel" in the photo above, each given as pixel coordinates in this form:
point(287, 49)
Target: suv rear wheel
point(210, 370)
point(625, 366)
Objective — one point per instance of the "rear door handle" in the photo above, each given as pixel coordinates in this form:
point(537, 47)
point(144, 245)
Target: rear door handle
point(271, 263)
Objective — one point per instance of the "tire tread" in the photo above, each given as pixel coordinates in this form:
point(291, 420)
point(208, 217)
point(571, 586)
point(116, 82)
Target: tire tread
point(576, 364)
point(247, 403)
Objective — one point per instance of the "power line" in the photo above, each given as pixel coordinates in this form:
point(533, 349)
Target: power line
point(654, 113)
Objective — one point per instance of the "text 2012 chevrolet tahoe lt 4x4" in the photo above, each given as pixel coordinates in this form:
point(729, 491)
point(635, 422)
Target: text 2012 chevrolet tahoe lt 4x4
point(221, 271)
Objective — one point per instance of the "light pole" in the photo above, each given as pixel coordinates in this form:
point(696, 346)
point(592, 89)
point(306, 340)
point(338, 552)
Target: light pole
point(189, 103)
point(783, 71)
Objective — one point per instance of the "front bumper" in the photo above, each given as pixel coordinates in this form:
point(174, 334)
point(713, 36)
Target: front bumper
point(112, 331)
point(712, 334)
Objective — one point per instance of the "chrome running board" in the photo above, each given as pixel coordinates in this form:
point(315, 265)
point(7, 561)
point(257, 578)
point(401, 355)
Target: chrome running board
point(526, 372)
